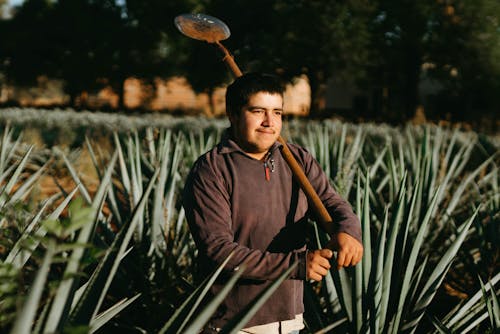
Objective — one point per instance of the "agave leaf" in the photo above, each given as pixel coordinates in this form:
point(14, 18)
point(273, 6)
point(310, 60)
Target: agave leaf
point(42, 317)
point(359, 312)
point(19, 254)
point(183, 315)
point(378, 277)
point(111, 196)
point(380, 159)
point(343, 284)
point(14, 178)
point(180, 222)
point(174, 177)
point(441, 328)
point(415, 283)
point(415, 197)
point(79, 292)
point(7, 173)
point(451, 146)
point(328, 328)
point(123, 167)
point(474, 324)
point(458, 193)
point(27, 314)
point(341, 147)
point(158, 220)
point(25, 188)
point(93, 157)
point(412, 260)
point(237, 322)
point(437, 275)
point(205, 314)
point(76, 178)
point(469, 148)
point(107, 315)
point(27, 232)
point(444, 184)
point(459, 312)
point(388, 286)
point(393, 174)
point(491, 305)
point(365, 224)
point(472, 317)
point(313, 307)
point(113, 206)
point(447, 258)
point(495, 314)
point(4, 146)
point(487, 302)
point(136, 183)
point(66, 290)
point(101, 279)
point(151, 145)
point(8, 148)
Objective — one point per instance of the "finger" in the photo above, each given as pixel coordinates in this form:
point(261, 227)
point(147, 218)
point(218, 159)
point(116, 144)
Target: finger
point(321, 269)
point(317, 257)
point(318, 268)
point(316, 273)
point(323, 262)
point(348, 259)
point(340, 259)
point(356, 259)
point(325, 252)
point(316, 277)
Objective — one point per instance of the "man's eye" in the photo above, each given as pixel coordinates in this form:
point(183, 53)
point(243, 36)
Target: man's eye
point(278, 113)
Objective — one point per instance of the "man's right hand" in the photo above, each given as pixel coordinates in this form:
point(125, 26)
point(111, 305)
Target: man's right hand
point(318, 263)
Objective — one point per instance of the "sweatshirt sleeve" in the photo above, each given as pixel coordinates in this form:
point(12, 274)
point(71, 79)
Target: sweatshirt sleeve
point(208, 212)
point(341, 212)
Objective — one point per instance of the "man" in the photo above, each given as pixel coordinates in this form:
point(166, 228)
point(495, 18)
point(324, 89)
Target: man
point(241, 198)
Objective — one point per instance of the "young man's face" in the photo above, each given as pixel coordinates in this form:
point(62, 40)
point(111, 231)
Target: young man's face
point(258, 125)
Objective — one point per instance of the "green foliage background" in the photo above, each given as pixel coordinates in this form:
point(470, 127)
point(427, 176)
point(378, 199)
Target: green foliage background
point(386, 49)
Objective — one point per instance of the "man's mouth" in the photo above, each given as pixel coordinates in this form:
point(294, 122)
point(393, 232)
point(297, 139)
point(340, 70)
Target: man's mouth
point(267, 131)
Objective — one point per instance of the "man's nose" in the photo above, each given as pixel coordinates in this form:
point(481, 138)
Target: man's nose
point(268, 119)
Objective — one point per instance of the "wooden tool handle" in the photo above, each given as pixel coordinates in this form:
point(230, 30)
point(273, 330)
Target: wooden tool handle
point(305, 185)
point(324, 217)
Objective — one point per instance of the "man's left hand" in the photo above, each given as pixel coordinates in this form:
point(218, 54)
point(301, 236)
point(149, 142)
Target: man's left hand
point(349, 250)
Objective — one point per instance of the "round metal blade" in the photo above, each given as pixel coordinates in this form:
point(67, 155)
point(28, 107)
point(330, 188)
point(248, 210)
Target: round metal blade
point(202, 27)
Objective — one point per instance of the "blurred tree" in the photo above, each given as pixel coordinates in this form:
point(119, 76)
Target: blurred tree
point(249, 23)
point(84, 35)
point(74, 40)
point(402, 33)
point(389, 45)
point(464, 53)
point(177, 54)
point(162, 49)
point(3, 6)
point(294, 37)
point(452, 43)
point(26, 47)
point(323, 40)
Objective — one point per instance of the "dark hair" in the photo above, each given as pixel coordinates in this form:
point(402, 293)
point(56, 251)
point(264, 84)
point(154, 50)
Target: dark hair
point(238, 93)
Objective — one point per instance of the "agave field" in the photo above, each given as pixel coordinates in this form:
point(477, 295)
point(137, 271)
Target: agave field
point(93, 237)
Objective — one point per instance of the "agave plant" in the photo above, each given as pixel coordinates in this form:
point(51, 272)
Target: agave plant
point(410, 202)
point(467, 315)
point(423, 194)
